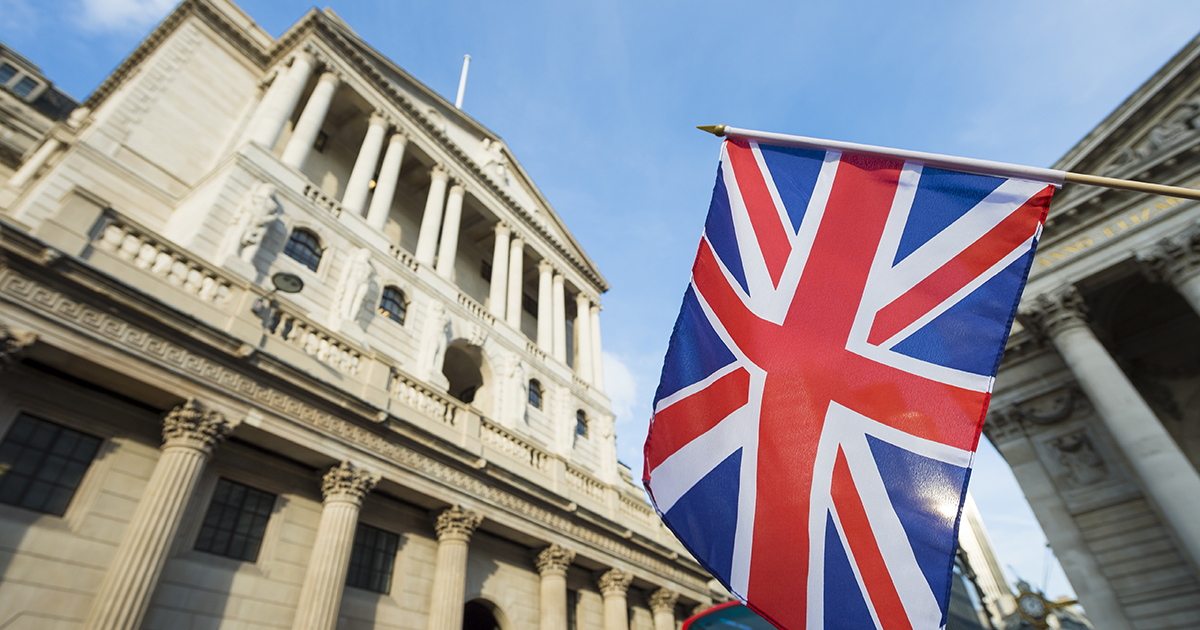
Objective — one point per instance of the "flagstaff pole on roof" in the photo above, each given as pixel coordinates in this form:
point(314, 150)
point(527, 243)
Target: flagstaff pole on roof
point(462, 82)
point(986, 167)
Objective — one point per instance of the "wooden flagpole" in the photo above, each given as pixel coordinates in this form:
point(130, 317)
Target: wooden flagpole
point(1050, 176)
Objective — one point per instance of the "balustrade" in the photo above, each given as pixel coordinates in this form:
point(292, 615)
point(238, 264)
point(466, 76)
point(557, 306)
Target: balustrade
point(476, 309)
point(410, 392)
point(153, 254)
point(314, 194)
point(315, 342)
point(496, 437)
point(586, 483)
point(638, 510)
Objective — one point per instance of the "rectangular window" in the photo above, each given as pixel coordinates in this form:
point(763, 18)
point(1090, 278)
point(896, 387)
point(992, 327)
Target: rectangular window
point(236, 520)
point(7, 72)
point(42, 463)
point(372, 559)
point(25, 86)
point(572, 610)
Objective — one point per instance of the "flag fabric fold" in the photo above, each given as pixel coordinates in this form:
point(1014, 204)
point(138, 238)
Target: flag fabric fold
point(827, 378)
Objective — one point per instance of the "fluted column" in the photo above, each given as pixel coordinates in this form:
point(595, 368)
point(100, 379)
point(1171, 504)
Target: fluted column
point(613, 585)
point(359, 183)
point(190, 433)
point(280, 100)
point(597, 358)
point(448, 249)
point(516, 280)
point(552, 564)
point(583, 336)
point(343, 489)
point(545, 314)
point(454, 527)
point(662, 604)
point(1166, 473)
point(389, 175)
point(431, 221)
point(559, 296)
point(34, 163)
point(498, 294)
point(1177, 260)
point(309, 125)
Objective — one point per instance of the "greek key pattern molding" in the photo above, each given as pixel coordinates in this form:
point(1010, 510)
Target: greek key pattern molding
point(90, 320)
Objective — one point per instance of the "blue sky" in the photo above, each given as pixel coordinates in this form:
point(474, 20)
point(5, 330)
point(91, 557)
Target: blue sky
point(598, 102)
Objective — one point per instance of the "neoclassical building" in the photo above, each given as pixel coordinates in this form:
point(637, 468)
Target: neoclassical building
point(1097, 402)
point(289, 341)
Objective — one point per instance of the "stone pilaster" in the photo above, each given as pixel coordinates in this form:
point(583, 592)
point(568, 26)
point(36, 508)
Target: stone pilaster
point(613, 584)
point(448, 249)
point(1177, 260)
point(431, 220)
point(343, 488)
point(662, 604)
point(454, 527)
point(190, 433)
point(552, 564)
point(300, 145)
point(13, 344)
point(1165, 472)
point(498, 291)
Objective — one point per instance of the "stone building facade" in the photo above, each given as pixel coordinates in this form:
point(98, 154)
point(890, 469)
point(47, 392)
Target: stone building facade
point(417, 439)
point(1097, 402)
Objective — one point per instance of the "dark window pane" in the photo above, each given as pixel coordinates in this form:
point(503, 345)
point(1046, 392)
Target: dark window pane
point(372, 559)
point(24, 86)
point(236, 521)
point(305, 248)
point(535, 393)
point(42, 463)
point(6, 72)
point(393, 304)
point(581, 424)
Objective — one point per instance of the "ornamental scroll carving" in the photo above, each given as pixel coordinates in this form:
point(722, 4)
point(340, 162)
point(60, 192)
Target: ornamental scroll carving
point(614, 582)
point(455, 523)
point(190, 424)
point(663, 601)
point(1182, 121)
point(347, 482)
point(1173, 259)
point(1079, 458)
point(13, 344)
point(1052, 313)
point(553, 560)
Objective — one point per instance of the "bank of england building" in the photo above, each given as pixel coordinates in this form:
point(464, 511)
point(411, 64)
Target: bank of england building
point(1097, 401)
point(287, 340)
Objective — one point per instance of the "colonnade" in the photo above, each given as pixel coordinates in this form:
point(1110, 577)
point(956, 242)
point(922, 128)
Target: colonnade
point(191, 432)
point(437, 239)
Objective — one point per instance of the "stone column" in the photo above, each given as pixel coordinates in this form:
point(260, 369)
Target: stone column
point(1166, 474)
point(448, 249)
point(190, 433)
point(597, 358)
point(431, 221)
point(309, 125)
point(343, 488)
point(280, 100)
point(498, 293)
point(613, 585)
point(662, 604)
point(583, 337)
point(552, 564)
point(545, 314)
point(1177, 260)
point(516, 281)
point(359, 183)
point(454, 527)
point(559, 296)
point(389, 175)
point(35, 162)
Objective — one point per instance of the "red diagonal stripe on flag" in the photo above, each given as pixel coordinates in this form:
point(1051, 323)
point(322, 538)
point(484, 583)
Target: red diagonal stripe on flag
point(973, 261)
point(693, 416)
point(764, 216)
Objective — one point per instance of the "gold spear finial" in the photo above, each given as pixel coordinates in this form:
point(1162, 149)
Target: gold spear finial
point(716, 130)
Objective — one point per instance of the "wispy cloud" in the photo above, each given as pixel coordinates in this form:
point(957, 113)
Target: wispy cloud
point(17, 14)
point(121, 15)
point(622, 388)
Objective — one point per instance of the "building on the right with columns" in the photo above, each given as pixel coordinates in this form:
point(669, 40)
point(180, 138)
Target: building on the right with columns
point(1097, 401)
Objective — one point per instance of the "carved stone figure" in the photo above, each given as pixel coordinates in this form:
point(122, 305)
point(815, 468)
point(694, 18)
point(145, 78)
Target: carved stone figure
point(255, 215)
point(518, 382)
point(1083, 464)
point(12, 345)
point(495, 163)
point(353, 288)
point(433, 345)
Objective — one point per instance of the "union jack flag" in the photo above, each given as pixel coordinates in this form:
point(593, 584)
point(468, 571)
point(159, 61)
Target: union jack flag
point(826, 382)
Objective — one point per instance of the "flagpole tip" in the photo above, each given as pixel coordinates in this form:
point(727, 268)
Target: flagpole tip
point(716, 130)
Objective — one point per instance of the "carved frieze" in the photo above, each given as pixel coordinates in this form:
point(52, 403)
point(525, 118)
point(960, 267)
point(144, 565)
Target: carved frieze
point(1181, 122)
point(1028, 416)
point(1173, 259)
point(347, 482)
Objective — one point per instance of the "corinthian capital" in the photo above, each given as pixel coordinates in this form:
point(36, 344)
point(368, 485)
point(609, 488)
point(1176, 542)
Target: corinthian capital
point(347, 482)
point(614, 582)
point(12, 345)
point(1050, 314)
point(456, 523)
point(1173, 259)
point(663, 600)
point(190, 424)
point(553, 560)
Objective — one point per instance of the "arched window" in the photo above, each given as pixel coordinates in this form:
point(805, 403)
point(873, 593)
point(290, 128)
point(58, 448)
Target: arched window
point(535, 393)
point(393, 304)
point(305, 247)
point(581, 424)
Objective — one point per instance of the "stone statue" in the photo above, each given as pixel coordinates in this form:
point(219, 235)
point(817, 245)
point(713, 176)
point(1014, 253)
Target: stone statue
point(518, 383)
point(353, 288)
point(434, 343)
point(495, 163)
point(1077, 455)
point(255, 215)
